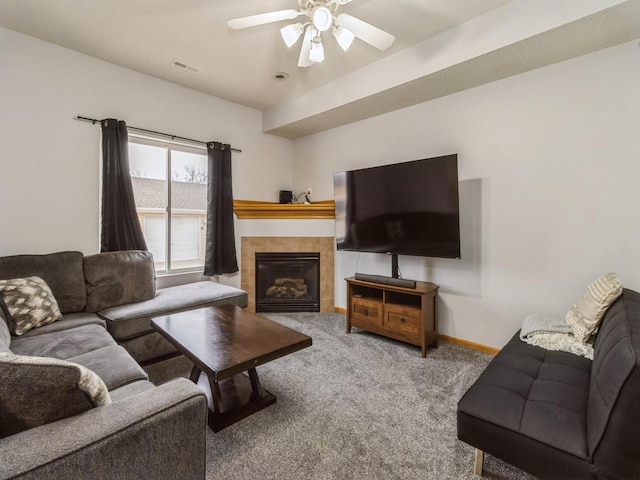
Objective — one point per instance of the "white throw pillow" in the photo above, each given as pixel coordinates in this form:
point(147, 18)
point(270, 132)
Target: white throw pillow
point(585, 316)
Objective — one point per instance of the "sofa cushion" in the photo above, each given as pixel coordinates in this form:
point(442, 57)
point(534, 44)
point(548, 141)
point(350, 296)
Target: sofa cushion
point(5, 335)
point(68, 321)
point(87, 345)
point(131, 389)
point(63, 344)
point(148, 347)
point(38, 390)
point(114, 365)
point(119, 278)
point(534, 393)
point(128, 321)
point(63, 272)
point(27, 303)
point(615, 379)
point(585, 316)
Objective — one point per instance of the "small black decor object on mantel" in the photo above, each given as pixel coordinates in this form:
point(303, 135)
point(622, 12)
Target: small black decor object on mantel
point(286, 196)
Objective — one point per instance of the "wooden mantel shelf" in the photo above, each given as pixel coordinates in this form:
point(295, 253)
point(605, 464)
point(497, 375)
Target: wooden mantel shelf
point(251, 209)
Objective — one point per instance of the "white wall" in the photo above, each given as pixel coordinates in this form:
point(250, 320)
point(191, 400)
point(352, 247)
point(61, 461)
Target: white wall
point(49, 176)
point(549, 165)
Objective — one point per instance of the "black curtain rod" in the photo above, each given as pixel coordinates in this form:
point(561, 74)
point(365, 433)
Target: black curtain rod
point(173, 137)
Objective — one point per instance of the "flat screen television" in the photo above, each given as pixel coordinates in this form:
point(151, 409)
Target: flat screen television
point(407, 208)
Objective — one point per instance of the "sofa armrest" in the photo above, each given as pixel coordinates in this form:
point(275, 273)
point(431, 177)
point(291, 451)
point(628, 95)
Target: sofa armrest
point(159, 434)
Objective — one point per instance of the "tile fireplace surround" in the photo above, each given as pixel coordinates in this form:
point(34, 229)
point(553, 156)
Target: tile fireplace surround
point(324, 245)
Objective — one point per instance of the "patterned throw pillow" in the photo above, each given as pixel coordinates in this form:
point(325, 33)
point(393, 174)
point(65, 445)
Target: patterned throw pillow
point(585, 316)
point(28, 303)
point(39, 390)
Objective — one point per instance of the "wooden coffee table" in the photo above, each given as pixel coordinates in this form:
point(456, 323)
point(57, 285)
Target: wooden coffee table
point(223, 342)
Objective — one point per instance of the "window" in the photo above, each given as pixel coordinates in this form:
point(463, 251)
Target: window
point(170, 189)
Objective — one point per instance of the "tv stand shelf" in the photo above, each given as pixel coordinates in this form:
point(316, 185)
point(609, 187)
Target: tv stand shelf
point(405, 314)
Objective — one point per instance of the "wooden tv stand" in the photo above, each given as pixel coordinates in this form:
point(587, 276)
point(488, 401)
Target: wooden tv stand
point(405, 314)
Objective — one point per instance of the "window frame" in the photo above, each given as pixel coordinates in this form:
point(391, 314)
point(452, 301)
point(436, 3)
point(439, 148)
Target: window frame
point(169, 145)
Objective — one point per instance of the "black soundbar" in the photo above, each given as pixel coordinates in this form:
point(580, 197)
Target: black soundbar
point(396, 282)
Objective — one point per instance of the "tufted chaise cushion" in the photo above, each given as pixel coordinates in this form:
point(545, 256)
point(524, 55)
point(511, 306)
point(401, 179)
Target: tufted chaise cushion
point(535, 393)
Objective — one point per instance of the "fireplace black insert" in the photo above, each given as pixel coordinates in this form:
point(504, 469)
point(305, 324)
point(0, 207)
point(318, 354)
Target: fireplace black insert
point(287, 282)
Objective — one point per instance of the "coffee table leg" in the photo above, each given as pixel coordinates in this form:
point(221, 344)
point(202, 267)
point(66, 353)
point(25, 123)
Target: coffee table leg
point(255, 382)
point(195, 374)
point(216, 395)
point(235, 398)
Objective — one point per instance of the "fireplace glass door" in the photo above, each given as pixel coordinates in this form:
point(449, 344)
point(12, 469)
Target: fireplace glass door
point(287, 282)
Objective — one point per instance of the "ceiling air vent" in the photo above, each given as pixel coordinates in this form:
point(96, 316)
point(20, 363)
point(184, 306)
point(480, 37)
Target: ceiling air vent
point(184, 66)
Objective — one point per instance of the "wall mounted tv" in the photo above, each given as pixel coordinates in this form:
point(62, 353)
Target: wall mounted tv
point(407, 208)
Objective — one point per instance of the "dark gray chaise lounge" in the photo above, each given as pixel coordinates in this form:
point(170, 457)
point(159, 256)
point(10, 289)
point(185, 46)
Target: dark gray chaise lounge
point(560, 416)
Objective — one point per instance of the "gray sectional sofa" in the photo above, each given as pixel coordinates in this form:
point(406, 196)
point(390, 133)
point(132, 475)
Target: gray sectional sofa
point(76, 400)
point(118, 289)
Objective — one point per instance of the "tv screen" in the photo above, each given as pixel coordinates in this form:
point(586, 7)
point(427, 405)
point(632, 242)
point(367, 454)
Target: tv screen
point(408, 208)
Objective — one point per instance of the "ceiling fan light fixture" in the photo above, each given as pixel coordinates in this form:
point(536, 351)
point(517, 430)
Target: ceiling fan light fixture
point(291, 33)
point(304, 60)
point(316, 54)
point(344, 37)
point(322, 18)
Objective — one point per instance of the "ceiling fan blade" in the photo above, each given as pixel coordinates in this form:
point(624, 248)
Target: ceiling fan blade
point(304, 60)
point(366, 32)
point(262, 18)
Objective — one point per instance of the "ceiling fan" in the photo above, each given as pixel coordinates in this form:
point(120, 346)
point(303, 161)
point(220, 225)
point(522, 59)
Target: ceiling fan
point(321, 16)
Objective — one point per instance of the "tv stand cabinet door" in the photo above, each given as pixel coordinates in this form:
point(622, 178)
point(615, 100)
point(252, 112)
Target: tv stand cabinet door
point(403, 320)
point(366, 313)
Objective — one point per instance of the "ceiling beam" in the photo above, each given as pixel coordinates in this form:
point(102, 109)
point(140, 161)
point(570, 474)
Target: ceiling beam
point(521, 36)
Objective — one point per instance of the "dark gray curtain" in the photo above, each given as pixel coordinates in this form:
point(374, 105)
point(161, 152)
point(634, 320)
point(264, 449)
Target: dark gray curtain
point(220, 253)
point(120, 227)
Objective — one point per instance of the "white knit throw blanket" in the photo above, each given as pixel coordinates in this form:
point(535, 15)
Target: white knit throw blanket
point(553, 334)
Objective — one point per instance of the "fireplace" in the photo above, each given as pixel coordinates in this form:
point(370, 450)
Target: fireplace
point(287, 282)
point(250, 246)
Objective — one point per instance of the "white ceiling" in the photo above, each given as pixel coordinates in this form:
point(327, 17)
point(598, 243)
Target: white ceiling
point(148, 35)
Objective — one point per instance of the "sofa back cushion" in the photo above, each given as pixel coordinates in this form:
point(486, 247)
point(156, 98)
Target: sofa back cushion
point(119, 278)
point(62, 271)
point(613, 414)
point(38, 390)
point(5, 335)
